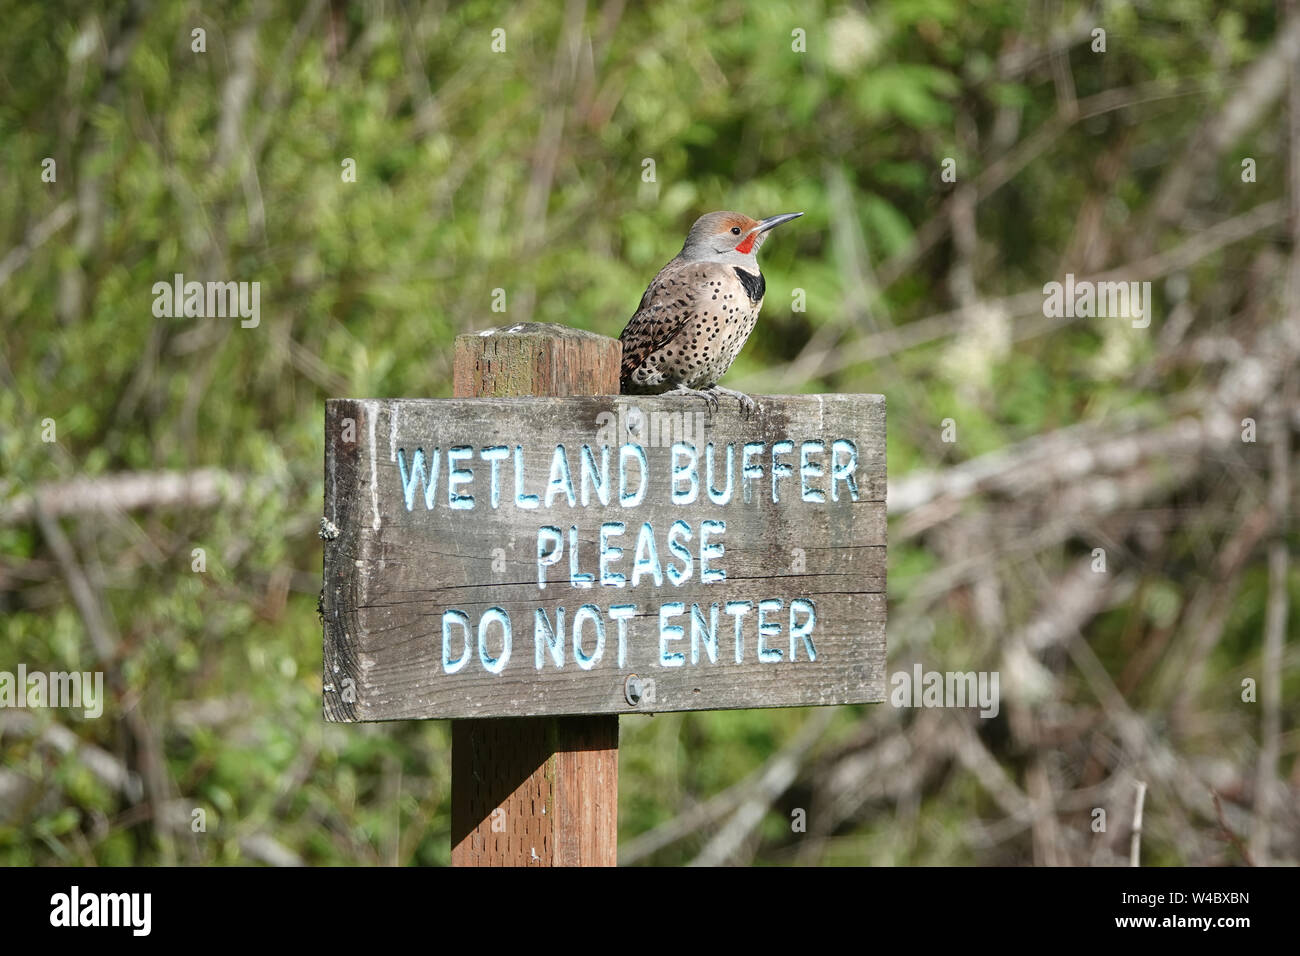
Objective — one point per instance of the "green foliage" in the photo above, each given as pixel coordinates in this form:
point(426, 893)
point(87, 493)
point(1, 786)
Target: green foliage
point(521, 171)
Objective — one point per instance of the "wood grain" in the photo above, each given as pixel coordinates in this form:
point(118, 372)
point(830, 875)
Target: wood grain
point(392, 572)
point(535, 358)
point(535, 791)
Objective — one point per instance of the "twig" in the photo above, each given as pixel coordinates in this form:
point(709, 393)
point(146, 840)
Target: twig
point(702, 815)
point(1002, 170)
point(36, 237)
point(1135, 845)
point(267, 849)
point(109, 494)
point(1227, 832)
point(1275, 621)
point(781, 771)
point(975, 757)
point(1279, 494)
point(1029, 303)
point(98, 629)
point(104, 766)
point(104, 640)
point(1263, 82)
point(1020, 59)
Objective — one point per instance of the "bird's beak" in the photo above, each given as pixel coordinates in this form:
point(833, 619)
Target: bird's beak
point(771, 222)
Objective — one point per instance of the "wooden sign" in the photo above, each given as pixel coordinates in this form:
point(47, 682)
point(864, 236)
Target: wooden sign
point(604, 555)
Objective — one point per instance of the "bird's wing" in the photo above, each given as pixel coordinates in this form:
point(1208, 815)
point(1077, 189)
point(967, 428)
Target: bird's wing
point(666, 307)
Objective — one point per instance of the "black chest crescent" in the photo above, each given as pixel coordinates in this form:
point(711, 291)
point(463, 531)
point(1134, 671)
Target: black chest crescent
point(755, 285)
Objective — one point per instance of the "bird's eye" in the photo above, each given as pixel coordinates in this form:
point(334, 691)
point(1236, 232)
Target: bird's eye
point(735, 230)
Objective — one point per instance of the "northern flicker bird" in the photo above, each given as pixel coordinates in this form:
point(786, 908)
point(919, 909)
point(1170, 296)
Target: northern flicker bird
point(699, 310)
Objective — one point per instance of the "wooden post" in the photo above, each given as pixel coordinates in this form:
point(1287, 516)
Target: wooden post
point(741, 563)
point(535, 791)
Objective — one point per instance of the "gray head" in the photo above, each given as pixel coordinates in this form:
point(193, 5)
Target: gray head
point(729, 237)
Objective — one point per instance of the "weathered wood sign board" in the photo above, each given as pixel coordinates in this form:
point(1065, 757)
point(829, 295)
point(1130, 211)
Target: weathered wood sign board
point(606, 555)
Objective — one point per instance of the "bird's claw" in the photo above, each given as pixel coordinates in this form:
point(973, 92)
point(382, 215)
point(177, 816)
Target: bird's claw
point(747, 404)
point(713, 397)
point(710, 399)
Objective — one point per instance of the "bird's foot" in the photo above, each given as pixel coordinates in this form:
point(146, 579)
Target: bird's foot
point(710, 399)
point(747, 405)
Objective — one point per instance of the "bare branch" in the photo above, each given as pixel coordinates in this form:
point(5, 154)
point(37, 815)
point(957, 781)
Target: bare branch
point(109, 494)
